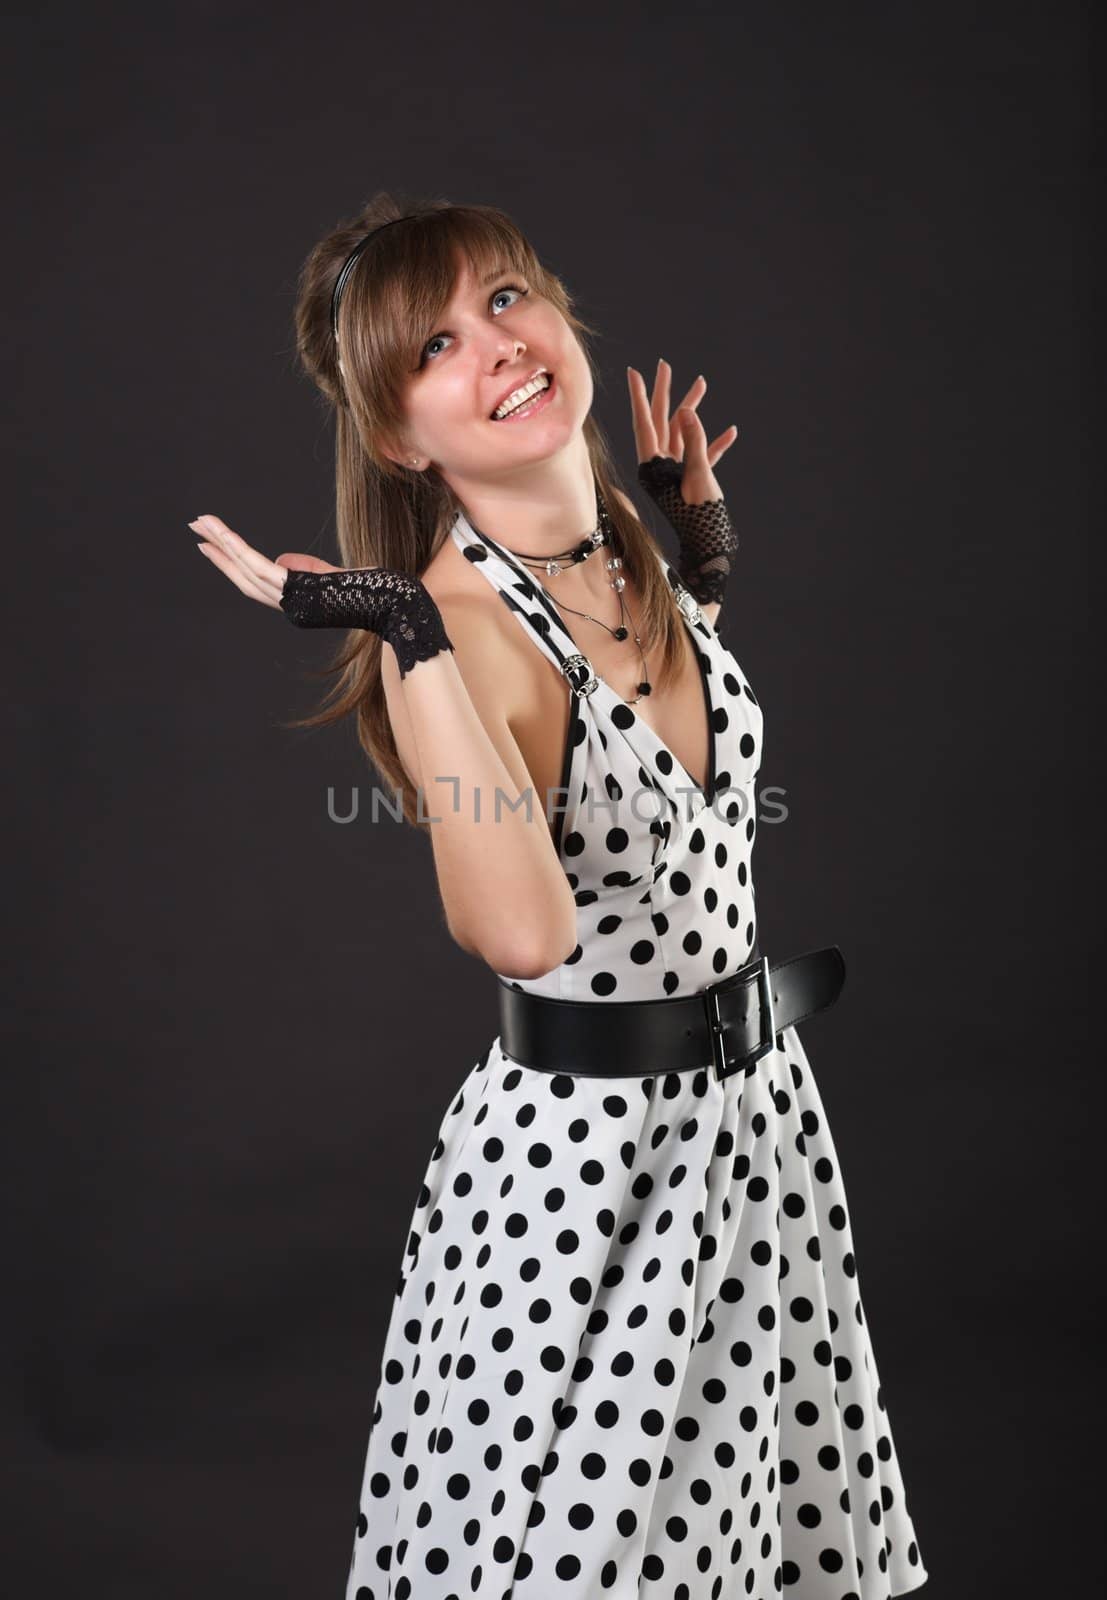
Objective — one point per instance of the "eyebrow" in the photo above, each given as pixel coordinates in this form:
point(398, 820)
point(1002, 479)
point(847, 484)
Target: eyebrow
point(490, 277)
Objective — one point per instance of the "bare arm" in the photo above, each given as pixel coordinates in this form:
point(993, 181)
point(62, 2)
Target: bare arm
point(504, 891)
point(505, 894)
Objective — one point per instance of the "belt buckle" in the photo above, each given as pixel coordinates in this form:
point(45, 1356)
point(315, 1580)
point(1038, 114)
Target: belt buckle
point(718, 1027)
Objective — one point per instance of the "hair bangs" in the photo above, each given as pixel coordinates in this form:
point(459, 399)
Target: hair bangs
point(402, 286)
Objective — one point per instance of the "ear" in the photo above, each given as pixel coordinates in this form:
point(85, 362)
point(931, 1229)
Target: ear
point(399, 454)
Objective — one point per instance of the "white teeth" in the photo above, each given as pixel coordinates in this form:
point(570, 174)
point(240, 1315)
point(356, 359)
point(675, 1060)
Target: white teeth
point(521, 396)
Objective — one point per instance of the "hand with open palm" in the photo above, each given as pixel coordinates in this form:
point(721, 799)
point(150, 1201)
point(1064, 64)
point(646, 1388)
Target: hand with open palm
point(675, 463)
point(250, 571)
point(681, 437)
point(315, 594)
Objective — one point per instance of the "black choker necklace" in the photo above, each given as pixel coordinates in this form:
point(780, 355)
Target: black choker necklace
point(553, 565)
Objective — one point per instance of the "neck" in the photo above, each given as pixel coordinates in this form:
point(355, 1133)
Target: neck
point(540, 511)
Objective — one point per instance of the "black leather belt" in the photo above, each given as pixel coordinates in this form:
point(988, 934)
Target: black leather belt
point(729, 1025)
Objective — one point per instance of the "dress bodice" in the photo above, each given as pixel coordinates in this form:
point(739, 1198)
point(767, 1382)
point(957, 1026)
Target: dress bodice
point(659, 867)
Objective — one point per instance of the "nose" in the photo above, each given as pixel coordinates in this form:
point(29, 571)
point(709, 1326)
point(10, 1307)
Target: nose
point(506, 349)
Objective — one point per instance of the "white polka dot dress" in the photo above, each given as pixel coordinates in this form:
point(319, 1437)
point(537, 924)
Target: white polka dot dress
point(627, 1355)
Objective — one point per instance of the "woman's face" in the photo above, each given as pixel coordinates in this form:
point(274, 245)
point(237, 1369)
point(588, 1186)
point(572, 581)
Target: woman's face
point(493, 337)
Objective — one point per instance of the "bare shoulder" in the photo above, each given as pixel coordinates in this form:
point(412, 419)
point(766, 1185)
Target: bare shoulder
point(477, 621)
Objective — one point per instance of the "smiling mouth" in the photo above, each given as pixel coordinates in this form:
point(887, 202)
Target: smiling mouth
point(535, 402)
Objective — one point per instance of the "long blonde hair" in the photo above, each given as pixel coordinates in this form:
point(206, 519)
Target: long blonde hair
point(391, 305)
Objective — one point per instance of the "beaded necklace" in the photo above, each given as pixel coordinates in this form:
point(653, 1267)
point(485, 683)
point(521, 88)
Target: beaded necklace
point(552, 566)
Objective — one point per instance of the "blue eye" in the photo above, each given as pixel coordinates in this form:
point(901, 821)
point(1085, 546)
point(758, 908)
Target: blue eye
point(508, 288)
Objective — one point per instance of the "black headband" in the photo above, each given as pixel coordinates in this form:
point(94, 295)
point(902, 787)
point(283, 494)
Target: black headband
point(348, 264)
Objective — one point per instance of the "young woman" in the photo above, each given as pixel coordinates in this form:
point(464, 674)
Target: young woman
point(627, 1354)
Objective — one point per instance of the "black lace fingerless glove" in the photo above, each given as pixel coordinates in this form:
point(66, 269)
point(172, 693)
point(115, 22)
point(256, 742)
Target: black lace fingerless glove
point(707, 541)
point(392, 604)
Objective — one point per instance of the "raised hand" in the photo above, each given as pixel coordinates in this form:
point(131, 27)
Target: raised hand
point(675, 463)
point(314, 594)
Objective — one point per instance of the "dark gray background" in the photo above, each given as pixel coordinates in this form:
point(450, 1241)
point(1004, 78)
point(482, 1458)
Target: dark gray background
point(237, 1024)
